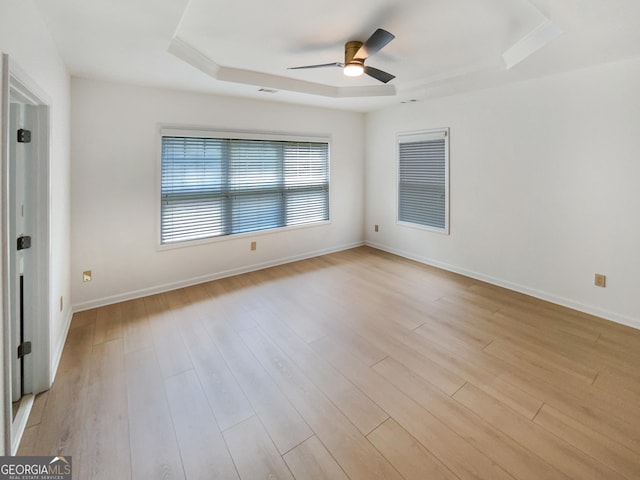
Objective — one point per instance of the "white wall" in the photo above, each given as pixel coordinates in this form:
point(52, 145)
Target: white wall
point(24, 36)
point(545, 189)
point(115, 161)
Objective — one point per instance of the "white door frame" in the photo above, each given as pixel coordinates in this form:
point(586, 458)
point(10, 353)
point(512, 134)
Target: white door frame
point(16, 84)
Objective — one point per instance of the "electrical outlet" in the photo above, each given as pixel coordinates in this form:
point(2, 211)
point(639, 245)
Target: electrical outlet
point(375, 228)
point(254, 245)
point(600, 280)
point(86, 276)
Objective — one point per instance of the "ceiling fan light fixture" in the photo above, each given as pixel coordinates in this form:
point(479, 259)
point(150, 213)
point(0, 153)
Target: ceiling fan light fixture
point(355, 55)
point(353, 69)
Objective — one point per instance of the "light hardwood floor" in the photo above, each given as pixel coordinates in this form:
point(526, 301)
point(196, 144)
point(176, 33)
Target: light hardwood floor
point(358, 365)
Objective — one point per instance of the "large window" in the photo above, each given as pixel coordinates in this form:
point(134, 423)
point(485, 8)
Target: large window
point(213, 186)
point(423, 179)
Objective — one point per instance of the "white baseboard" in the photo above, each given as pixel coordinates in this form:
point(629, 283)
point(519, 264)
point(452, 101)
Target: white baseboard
point(542, 295)
point(59, 346)
point(101, 302)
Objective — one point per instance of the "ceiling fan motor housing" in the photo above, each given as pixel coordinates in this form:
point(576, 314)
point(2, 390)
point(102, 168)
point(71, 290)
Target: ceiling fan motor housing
point(350, 50)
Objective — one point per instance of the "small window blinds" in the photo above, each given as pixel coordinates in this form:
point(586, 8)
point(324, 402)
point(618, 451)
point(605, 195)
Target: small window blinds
point(423, 179)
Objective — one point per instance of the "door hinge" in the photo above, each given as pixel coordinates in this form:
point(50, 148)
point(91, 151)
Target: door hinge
point(24, 136)
point(24, 349)
point(24, 242)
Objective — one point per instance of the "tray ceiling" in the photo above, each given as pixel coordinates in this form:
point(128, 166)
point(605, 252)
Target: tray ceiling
point(239, 47)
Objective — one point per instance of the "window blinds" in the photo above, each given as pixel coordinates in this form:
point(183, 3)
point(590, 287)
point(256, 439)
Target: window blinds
point(423, 180)
point(221, 186)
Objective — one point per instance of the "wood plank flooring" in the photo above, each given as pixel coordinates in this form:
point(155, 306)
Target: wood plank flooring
point(354, 365)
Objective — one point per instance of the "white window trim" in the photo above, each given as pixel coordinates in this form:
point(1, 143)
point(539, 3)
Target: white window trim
point(200, 132)
point(416, 136)
point(241, 135)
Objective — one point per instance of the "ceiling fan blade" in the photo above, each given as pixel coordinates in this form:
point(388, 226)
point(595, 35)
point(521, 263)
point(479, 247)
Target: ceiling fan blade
point(334, 64)
point(384, 77)
point(374, 44)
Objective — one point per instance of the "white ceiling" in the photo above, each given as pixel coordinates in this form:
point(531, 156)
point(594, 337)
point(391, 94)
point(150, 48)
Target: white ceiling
point(236, 47)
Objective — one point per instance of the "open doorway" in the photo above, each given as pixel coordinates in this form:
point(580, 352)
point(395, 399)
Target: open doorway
point(25, 247)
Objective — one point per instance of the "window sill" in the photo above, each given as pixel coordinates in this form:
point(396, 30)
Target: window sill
point(237, 236)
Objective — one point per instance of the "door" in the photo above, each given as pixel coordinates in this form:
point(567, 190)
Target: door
point(25, 242)
point(21, 159)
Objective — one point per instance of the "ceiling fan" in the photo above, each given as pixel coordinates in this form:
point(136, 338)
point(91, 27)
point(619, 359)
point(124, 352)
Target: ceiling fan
point(355, 54)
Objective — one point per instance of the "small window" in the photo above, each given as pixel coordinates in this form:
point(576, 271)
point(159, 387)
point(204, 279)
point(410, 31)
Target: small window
point(423, 179)
point(216, 186)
